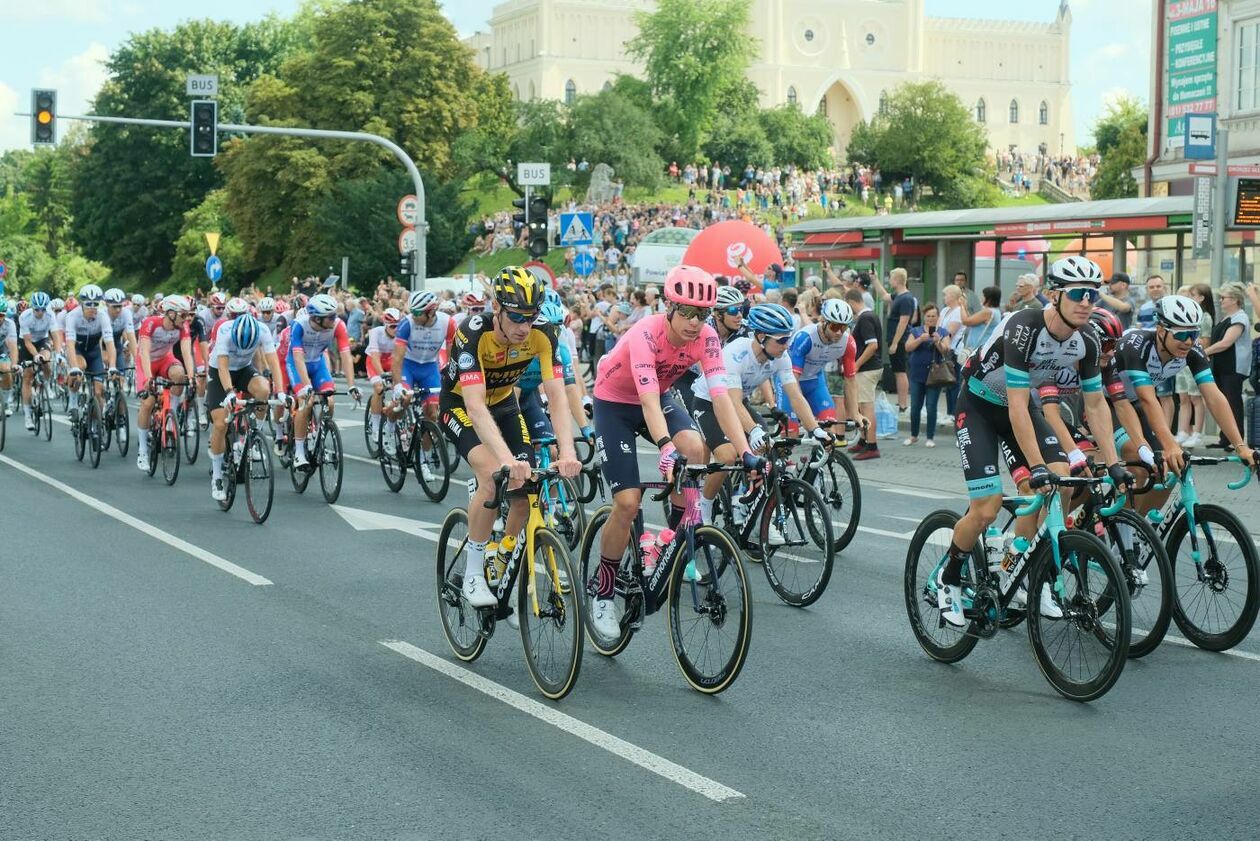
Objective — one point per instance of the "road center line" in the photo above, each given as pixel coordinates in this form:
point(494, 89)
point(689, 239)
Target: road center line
point(631, 753)
point(141, 526)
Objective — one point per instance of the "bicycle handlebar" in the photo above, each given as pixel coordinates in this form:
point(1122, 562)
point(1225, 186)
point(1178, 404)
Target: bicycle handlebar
point(1117, 503)
point(500, 478)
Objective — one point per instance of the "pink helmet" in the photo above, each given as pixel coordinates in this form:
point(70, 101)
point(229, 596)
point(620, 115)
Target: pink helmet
point(689, 285)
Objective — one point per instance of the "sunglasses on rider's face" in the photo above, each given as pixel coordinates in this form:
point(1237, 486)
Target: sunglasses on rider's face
point(520, 317)
point(690, 312)
point(90, 305)
point(1185, 335)
point(780, 340)
point(739, 309)
point(1081, 293)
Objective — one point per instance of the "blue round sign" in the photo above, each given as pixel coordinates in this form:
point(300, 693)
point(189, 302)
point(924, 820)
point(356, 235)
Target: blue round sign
point(214, 268)
point(584, 264)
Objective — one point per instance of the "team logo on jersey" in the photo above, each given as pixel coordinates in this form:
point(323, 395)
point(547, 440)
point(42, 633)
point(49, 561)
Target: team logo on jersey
point(474, 322)
point(1021, 336)
point(466, 361)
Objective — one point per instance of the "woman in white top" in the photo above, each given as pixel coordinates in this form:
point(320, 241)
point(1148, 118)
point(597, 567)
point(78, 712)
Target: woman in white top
point(1230, 350)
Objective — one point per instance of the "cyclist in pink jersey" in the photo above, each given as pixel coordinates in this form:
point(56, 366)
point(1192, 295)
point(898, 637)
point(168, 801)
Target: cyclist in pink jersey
point(632, 400)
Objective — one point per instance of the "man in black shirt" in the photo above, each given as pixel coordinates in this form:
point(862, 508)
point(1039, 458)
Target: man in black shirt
point(866, 336)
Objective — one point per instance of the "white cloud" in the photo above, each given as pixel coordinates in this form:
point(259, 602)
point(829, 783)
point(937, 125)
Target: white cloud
point(15, 132)
point(1113, 51)
point(61, 11)
point(78, 79)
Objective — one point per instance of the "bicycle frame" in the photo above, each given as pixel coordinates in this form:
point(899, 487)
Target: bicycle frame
point(1166, 516)
point(525, 544)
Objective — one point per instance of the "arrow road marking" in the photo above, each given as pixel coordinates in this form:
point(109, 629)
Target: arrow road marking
point(671, 771)
point(362, 520)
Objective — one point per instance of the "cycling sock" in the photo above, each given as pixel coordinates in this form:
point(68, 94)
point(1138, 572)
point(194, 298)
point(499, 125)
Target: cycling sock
point(143, 435)
point(300, 445)
point(216, 465)
point(952, 573)
point(706, 510)
point(675, 515)
point(475, 564)
point(606, 586)
point(376, 423)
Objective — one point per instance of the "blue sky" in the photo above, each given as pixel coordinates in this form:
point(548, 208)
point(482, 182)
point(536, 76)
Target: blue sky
point(62, 44)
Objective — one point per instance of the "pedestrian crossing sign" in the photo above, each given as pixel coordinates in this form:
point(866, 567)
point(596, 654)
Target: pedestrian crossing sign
point(577, 228)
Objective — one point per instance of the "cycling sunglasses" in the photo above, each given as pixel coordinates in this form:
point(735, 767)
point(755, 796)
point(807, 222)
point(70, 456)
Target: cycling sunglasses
point(520, 317)
point(780, 340)
point(690, 312)
point(1184, 335)
point(739, 309)
point(1080, 293)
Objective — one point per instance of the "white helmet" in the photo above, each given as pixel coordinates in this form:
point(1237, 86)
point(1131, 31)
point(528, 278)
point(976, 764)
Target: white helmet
point(321, 306)
point(90, 294)
point(137, 299)
point(57, 305)
point(836, 311)
point(115, 296)
point(175, 303)
point(237, 306)
point(1074, 269)
point(1177, 312)
point(267, 304)
point(449, 307)
point(421, 301)
point(729, 296)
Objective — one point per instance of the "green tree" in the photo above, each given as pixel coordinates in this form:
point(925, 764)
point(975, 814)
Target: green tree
point(798, 139)
point(1120, 135)
point(191, 249)
point(926, 133)
point(49, 185)
point(692, 51)
point(601, 124)
point(739, 140)
point(135, 184)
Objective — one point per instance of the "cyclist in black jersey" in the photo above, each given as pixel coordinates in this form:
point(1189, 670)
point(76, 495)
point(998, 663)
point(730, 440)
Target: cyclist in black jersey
point(1031, 348)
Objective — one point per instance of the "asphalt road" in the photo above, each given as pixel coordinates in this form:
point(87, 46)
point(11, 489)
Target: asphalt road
point(170, 671)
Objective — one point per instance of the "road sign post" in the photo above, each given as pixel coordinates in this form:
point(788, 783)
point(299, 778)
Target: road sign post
point(577, 229)
point(214, 269)
point(533, 175)
point(204, 85)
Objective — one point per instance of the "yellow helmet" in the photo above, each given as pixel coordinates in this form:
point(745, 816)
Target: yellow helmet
point(517, 288)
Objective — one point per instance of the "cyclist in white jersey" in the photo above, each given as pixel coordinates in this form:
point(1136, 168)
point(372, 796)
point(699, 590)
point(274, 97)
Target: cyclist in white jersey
point(89, 338)
point(124, 328)
point(37, 340)
point(231, 366)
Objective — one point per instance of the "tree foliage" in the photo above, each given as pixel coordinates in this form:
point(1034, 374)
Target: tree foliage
point(692, 51)
point(925, 133)
point(738, 141)
point(1120, 135)
point(191, 250)
point(796, 138)
point(601, 126)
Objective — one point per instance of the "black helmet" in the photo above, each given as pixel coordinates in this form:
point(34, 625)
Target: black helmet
point(517, 288)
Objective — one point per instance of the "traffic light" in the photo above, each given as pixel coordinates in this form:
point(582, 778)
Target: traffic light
point(43, 117)
point(519, 219)
point(407, 263)
point(538, 245)
point(205, 128)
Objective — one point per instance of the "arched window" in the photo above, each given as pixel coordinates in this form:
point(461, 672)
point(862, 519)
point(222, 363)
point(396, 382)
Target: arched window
point(980, 110)
point(1043, 114)
point(883, 102)
point(822, 107)
point(791, 95)
point(570, 92)
point(607, 86)
point(1014, 111)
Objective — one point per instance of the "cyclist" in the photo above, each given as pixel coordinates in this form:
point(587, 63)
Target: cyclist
point(1030, 349)
point(481, 417)
point(473, 303)
point(8, 350)
point(139, 312)
point(160, 336)
point(232, 310)
point(231, 363)
point(271, 317)
point(551, 316)
point(750, 361)
point(815, 347)
point(120, 318)
point(380, 361)
point(1148, 359)
point(632, 399)
point(37, 340)
point(212, 312)
point(312, 333)
point(728, 320)
point(420, 338)
point(89, 338)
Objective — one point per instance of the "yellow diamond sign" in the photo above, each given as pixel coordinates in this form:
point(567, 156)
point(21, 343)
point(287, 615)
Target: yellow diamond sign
point(212, 240)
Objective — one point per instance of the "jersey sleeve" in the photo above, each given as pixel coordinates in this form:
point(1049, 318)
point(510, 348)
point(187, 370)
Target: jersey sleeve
point(1113, 386)
point(566, 363)
point(341, 337)
point(643, 359)
point(549, 367)
point(295, 339)
point(1200, 367)
point(71, 331)
point(1019, 339)
point(799, 349)
point(1131, 362)
point(266, 342)
point(1091, 376)
point(468, 359)
point(784, 369)
point(848, 362)
point(711, 361)
point(146, 329)
point(402, 335)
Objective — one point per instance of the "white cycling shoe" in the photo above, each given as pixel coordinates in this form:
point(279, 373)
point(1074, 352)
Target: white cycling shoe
point(1049, 607)
point(604, 619)
point(949, 599)
point(217, 490)
point(142, 462)
point(427, 474)
point(477, 592)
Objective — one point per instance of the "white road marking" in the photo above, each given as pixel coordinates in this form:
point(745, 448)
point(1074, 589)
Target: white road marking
point(1233, 652)
point(141, 526)
point(922, 494)
point(645, 759)
point(362, 520)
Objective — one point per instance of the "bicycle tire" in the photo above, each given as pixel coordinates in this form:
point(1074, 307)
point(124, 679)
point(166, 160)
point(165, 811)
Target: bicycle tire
point(331, 461)
point(45, 410)
point(1150, 605)
point(122, 428)
point(260, 474)
point(370, 441)
point(155, 441)
point(170, 451)
point(806, 510)
point(190, 430)
point(557, 596)
point(950, 644)
point(438, 459)
point(841, 505)
point(78, 431)
point(1188, 621)
point(729, 572)
point(94, 432)
point(566, 516)
point(393, 463)
point(460, 621)
point(229, 475)
point(1079, 551)
point(590, 568)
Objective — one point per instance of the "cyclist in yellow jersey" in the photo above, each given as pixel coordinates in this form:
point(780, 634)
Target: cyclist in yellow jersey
point(480, 414)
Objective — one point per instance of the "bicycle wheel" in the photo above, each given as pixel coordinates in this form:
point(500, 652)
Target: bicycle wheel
point(229, 475)
point(1215, 594)
point(122, 428)
point(191, 435)
point(389, 452)
point(170, 452)
point(155, 441)
point(369, 440)
point(798, 564)
point(565, 514)
point(260, 477)
point(1080, 654)
point(331, 461)
point(78, 430)
point(710, 623)
point(460, 622)
point(301, 476)
point(838, 484)
point(435, 458)
point(929, 548)
point(64, 392)
point(552, 638)
point(45, 411)
point(94, 432)
point(633, 598)
point(4, 423)
point(1135, 544)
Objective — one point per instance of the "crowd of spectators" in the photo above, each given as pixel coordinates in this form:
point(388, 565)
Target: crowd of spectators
point(1025, 170)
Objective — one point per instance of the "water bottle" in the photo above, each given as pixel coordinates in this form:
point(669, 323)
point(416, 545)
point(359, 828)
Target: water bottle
point(994, 546)
point(238, 450)
point(1012, 559)
point(663, 540)
point(650, 551)
point(489, 562)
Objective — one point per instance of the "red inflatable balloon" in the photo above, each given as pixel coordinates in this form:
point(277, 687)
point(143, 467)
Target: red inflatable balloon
point(718, 248)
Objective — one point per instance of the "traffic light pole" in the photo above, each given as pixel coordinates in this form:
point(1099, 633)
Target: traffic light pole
point(422, 227)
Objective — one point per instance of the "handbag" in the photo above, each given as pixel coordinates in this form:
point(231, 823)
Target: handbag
point(941, 373)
